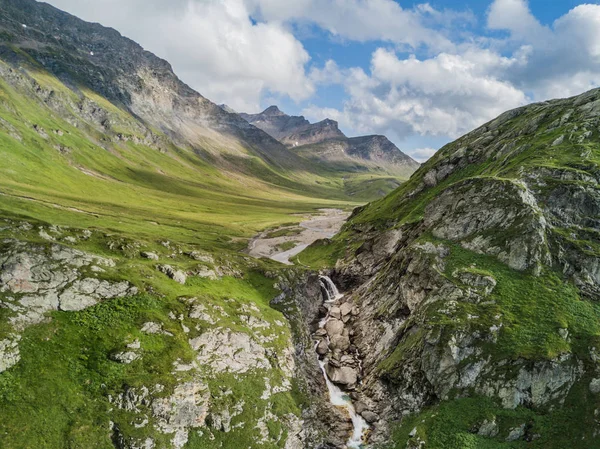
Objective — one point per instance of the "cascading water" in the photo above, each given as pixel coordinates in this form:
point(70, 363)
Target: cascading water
point(330, 289)
point(336, 396)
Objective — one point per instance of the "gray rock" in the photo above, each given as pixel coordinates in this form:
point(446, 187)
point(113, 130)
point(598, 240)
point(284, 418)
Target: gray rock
point(202, 257)
point(9, 352)
point(369, 416)
point(516, 433)
point(126, 357)
point(595, 386)
point(177, 275)
point(149, 255)
point(187, 408)
point(488, 429)
point(227, 351)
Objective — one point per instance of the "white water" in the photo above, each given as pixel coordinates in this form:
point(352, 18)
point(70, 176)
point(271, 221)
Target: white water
point(336, 396)
point(330, 288)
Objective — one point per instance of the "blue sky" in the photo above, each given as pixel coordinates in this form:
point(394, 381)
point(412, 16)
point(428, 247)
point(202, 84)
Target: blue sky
point(422, 73)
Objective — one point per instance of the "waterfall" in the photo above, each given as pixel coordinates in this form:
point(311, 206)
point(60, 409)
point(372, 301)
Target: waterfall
point(330, 288)
point(337, 396)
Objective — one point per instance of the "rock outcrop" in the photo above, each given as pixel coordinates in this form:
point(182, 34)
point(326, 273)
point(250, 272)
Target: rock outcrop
point(454, 273)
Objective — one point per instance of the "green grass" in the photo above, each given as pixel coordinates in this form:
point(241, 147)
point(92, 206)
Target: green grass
point(454, 425)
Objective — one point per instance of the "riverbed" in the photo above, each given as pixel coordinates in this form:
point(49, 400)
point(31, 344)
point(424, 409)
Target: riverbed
point(284, 243)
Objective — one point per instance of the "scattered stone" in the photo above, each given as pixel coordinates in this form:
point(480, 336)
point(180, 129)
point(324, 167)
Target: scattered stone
point(201, 257)
point(149, 255)
point(177, 275)
point(516, 433)
point(126, 357)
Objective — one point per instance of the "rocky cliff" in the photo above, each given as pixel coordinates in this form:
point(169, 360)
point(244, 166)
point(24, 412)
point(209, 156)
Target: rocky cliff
point(478, 287)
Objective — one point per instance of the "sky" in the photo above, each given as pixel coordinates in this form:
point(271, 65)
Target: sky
point(421, 73)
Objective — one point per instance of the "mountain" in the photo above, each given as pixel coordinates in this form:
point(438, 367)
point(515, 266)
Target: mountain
point(478, 284)
point(293, 131)
point(323, 142)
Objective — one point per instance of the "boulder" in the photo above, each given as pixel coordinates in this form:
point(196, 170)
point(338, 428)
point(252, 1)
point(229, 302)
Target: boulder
point(177, 275)
point(335, 312)
point(149, 255)
point(344, 375)
point(320, 333)
point(346, 309)
point(340, 343)
point(369, 416)
point(322, 347)
point(360, 407)
point(334, 327)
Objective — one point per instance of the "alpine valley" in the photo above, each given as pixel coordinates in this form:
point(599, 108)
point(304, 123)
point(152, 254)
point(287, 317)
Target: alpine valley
point(457, 307)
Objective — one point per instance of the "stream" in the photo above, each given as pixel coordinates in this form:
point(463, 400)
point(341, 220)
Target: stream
point(337, 396)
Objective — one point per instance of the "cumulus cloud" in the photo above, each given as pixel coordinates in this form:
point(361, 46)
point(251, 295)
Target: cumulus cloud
point(213, 45)
point(363, 20)
point(422, 154)
point(561, 60)
point(445, 95)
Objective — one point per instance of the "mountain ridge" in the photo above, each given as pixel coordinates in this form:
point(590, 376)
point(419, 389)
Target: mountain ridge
point(323, 141)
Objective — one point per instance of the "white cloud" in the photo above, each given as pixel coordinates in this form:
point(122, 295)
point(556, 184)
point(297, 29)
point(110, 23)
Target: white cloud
point(362, 20)
point(422, 154)
point(560, 60)
point(446, 95)
point(213, 46)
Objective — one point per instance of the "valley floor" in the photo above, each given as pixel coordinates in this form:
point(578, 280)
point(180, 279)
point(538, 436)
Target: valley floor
point(287, 241)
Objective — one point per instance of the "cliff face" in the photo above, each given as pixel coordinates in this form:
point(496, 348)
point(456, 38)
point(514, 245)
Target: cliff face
point(478, 284)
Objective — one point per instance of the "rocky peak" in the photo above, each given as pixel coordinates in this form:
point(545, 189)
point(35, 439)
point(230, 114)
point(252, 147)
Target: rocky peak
point(272, 111)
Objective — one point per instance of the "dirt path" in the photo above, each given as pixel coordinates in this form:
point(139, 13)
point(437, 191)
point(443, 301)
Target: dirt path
point(284, 243)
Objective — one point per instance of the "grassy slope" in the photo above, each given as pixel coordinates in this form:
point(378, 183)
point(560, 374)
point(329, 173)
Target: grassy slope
point(134, 198)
